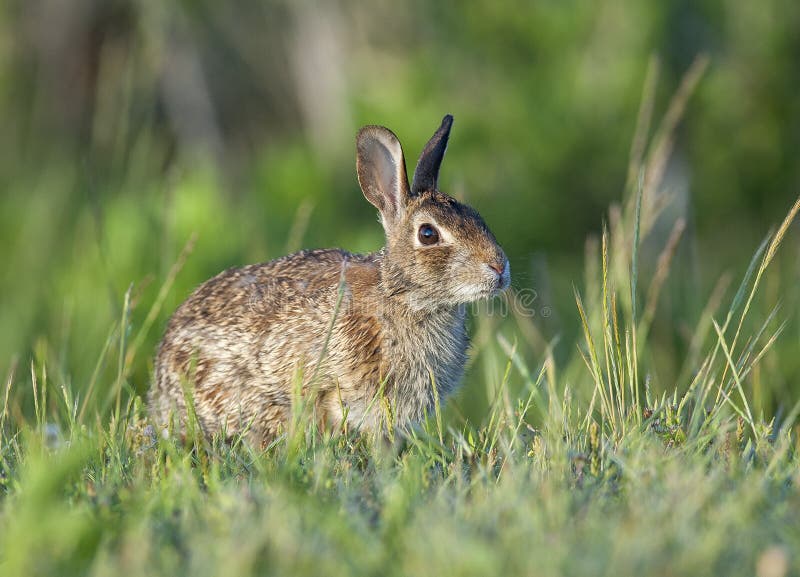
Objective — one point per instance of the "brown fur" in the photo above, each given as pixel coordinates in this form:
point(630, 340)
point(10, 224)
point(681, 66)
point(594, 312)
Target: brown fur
point(337, 326)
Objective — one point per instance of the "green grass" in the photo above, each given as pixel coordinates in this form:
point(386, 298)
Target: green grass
point(616, 483)
point(577, 466)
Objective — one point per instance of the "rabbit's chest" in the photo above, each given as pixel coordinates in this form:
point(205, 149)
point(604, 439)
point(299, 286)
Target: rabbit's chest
point(425, 363)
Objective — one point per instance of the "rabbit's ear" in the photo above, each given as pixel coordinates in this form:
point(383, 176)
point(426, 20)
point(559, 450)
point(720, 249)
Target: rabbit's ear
point(427, 172)
point(382, 171)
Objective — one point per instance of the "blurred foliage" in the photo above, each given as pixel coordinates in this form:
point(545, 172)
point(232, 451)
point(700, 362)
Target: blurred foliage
point(130, 124)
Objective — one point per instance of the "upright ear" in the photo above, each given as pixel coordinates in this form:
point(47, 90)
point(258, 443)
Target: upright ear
point(382, 171)
point(427, 171)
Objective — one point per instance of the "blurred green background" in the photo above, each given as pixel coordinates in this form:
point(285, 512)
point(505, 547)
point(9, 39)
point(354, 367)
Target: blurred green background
point(130, 124)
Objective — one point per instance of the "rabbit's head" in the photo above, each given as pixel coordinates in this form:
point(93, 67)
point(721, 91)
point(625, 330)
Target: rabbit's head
point(439, 252)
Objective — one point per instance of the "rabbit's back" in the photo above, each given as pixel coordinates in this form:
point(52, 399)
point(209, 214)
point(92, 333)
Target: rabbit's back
point(244, 338)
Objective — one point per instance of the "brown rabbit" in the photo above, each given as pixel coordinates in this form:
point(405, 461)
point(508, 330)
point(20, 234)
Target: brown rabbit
point(350, 331)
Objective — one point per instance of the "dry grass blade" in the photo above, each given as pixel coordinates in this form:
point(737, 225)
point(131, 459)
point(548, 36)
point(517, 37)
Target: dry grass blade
point(9, 380)
point(704, 325)
point(772, 248)
point(593, 362)
point(302, 217)
point(737, 380)
point(661, 147)
point(660, 276)
point(155, 309)
point(634, 279)
point(664, 138)
point(778, 238)
point(764, 350)
point(533, 384)
point(643, 120)
point(606, 315)
point(123, 348)
point(35, 387)
point(523, 313)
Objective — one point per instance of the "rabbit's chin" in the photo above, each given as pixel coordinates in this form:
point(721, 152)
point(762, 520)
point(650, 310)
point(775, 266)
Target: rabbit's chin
point(473, 293)
point(461, 296)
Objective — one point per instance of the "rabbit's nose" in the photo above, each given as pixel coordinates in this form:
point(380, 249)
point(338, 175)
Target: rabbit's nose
point(498, 267)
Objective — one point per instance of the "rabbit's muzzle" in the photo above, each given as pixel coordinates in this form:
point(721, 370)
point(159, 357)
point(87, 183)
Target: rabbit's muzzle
point(501, 272)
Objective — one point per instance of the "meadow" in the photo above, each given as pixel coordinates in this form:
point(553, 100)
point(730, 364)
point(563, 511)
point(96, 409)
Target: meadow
point(630, 406)
point(574, 469)
point(623, 482)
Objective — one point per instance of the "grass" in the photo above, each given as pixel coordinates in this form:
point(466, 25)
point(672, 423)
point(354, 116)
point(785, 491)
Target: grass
point(576, 468)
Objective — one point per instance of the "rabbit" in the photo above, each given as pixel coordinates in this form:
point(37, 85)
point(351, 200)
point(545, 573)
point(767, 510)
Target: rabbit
point(348, 331)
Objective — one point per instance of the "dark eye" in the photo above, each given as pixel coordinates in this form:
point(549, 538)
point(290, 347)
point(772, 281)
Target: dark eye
point(428, 234)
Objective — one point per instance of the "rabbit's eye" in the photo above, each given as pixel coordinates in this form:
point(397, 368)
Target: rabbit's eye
point(428, 234)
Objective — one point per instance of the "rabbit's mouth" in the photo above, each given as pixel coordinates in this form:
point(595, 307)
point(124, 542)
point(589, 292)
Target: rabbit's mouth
point(494, 281)
point(502, 286)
